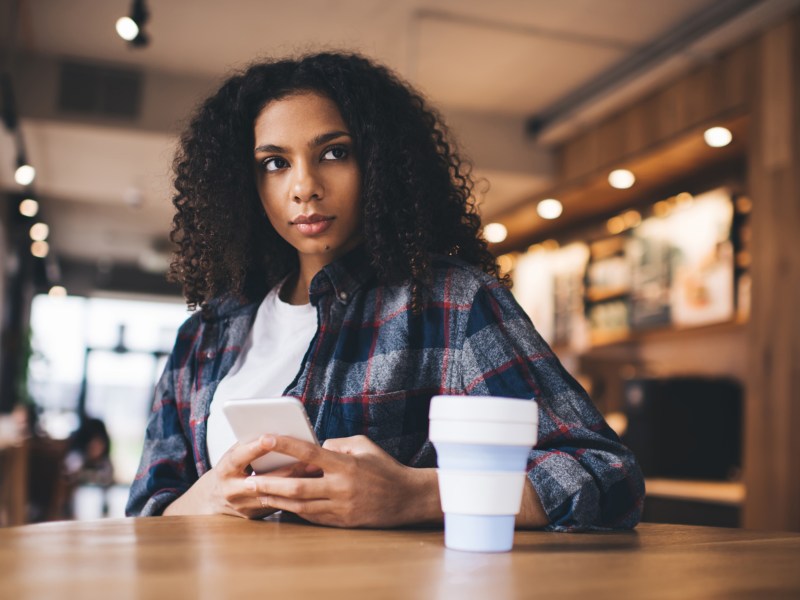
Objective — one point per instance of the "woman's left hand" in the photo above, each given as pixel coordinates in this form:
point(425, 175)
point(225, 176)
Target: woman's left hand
point(357, 485)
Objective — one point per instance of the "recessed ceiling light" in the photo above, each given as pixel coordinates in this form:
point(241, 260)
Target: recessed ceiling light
point(25, 174)
point(40, 249)
point(39, 232)
point(717, 137)
point(550, 208)
point(621, 179)
point(28, 207)
point(495, 233)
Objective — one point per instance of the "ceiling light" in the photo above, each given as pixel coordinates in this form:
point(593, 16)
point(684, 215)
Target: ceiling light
point(40, 249)
point(39, 232)
point(495, 233)
point(127, 28)
point(717, 137)
point(131, 28)
point(28, 207)
point(57, 291)
point(25, 173)
point(549, 208)
point(621, 179)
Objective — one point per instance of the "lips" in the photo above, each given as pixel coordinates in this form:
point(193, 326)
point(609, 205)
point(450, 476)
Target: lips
point(312, 224)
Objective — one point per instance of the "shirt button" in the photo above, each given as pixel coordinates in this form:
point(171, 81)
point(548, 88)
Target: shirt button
point(343, 296)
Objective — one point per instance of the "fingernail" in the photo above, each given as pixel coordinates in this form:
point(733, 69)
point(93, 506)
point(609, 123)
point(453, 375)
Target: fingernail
point(267, 441)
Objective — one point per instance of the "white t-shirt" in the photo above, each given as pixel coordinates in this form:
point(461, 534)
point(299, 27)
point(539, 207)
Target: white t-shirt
point(268, 363)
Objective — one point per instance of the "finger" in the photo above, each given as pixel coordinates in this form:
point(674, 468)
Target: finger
point(255, 508)
point(297, 469)
point(305, 452)
point(312, 471)
point(357, 444)
point(237, 459)
point(295, 488)
point(308, 509)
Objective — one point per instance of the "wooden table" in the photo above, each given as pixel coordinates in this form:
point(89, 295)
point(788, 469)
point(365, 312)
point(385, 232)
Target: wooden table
point(225, 557)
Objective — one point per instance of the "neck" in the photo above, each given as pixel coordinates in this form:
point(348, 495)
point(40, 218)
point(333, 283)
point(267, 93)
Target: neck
point(295, 290)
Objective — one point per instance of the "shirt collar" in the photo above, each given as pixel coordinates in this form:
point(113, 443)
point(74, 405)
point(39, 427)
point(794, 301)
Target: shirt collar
point(229, 305)
point(343, 277)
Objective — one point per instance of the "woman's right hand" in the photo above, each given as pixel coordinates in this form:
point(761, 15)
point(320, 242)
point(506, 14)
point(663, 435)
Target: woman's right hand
point(225, 489)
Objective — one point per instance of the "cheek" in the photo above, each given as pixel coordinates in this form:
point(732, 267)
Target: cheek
point(270, 201)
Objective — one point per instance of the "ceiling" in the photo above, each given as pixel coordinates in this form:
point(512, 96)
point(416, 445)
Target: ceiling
point(489, 66)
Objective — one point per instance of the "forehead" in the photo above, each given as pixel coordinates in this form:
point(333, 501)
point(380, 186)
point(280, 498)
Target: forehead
point(297, 117)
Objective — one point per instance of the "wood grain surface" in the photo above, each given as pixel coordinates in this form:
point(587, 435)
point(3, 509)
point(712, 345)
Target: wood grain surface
point(226, 557)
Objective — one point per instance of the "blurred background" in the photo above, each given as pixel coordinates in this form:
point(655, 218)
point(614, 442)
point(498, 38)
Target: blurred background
point(639, 167)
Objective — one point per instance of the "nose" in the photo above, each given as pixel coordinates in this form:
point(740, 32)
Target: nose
point(306, 184)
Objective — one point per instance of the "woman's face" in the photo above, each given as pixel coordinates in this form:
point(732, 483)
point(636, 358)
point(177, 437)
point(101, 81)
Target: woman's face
point(307, 176)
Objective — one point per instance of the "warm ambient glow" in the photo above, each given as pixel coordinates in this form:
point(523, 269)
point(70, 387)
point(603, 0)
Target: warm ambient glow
point(632, 218)
point(621, 179)
point(744, 205)
point(717, 137)
point(24, 175)
point(39, 232)
point(127, 28)
point(57, 291)
point(28, 207)
point(40, 249)
point(550, 208)
point(495, 233)
point(615, 225)
point(506, 262)
point(550, 245)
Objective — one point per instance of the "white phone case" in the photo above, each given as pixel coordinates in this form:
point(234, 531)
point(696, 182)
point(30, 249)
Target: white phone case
point(255, 417)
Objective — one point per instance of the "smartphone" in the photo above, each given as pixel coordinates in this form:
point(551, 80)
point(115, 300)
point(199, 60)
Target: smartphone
point(252, 418)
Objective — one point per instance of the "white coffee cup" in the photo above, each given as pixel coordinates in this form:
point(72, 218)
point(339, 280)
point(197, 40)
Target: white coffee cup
point(483, 444)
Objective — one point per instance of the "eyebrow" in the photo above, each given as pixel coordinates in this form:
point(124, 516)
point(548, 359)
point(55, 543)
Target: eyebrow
point(319, 140)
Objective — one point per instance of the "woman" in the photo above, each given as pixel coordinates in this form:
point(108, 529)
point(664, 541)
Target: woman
point(326, 230)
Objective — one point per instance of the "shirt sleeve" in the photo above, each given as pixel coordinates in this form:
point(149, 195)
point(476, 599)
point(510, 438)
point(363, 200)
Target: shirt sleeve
point(167, 469)
point(584, 476)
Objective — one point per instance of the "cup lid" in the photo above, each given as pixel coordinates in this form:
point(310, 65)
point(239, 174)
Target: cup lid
point(483, 408)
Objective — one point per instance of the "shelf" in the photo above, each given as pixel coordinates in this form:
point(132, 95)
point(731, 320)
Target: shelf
point(589, 197)
point(605, 338)
point(665, 333)
point(600, 294)
point(623, 337)
point(731, 493)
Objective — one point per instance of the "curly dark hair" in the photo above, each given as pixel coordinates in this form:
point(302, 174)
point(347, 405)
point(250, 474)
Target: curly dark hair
point(416, 189)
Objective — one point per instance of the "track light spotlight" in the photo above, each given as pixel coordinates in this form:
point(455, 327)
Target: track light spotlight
point(131, 28)
point(24, 173)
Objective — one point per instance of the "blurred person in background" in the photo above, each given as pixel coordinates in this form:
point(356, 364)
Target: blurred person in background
point(327, 232)
point(88, 461)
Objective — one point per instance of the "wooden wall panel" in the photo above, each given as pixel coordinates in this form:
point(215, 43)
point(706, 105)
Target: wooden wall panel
point(717, 89)
point(772, 444)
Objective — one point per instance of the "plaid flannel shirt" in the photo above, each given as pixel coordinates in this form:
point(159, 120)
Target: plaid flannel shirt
point(372, 368)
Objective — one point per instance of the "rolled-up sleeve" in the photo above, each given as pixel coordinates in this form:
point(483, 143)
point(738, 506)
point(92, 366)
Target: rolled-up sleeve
point(584, 476)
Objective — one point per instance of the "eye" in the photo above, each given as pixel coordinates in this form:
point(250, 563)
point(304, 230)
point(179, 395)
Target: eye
point(336, 153)
point(274, 163)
